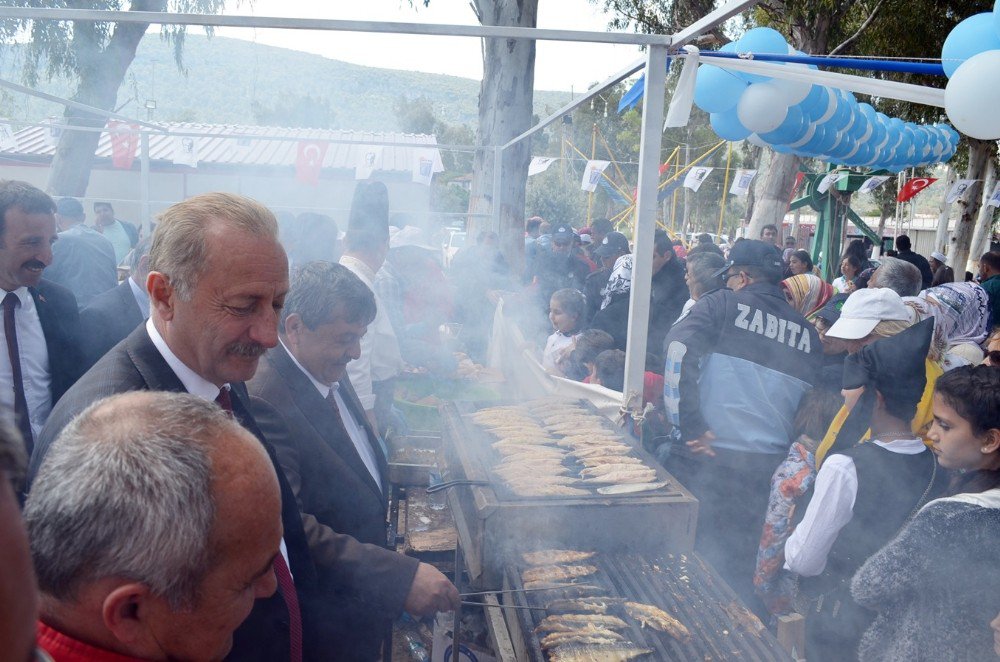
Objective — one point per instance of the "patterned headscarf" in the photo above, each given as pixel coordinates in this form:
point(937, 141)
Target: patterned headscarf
point(808, 293)
point(960, 311)
point(620, 280)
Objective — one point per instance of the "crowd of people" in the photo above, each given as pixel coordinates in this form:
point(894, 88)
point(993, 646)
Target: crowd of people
point(196, 462)
point(841, 437)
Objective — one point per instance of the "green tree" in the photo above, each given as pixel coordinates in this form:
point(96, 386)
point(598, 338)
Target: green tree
point(97, 55)
point(295, 110)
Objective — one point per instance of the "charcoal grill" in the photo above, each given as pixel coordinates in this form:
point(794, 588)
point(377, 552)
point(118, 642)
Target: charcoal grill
point(494, 524)
point(682, 585)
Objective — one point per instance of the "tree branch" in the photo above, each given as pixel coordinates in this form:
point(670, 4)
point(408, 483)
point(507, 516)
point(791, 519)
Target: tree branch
point(860, 30)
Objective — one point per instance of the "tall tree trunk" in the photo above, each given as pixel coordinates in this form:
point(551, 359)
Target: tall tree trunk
point(505, 104)
point(774, 187)
point(984, 224)
point(979, 152)
point(944, 217)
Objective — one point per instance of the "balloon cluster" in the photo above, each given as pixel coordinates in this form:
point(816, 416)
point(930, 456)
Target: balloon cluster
point(812, 120)
point(971, 60)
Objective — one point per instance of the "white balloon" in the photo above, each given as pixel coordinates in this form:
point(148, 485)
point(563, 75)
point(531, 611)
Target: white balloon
point(972, 96)
point(867, 134)
point(810, 132)
point(760, 108)
point(794, 91)
point(754, 139)
point(831, 107)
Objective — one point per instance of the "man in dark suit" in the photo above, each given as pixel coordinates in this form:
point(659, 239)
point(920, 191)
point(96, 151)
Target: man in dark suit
point(333, 458)
point(41, 322)
point(111, 316)
point(218, 276)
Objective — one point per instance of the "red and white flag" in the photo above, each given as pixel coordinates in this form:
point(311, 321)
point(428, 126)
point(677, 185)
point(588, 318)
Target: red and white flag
point(309, 160)
point(124, 140)
point(914, 186)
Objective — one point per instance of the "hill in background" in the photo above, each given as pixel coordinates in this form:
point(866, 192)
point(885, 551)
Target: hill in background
point(230, 81)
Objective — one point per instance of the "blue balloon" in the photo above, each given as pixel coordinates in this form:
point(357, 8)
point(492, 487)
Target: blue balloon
point(869, 112)
point(761, 40)
point(812, 102)
point(781, 149)
point(790, 130)
point(972, 36)
point(717, 90)
point(727, 125)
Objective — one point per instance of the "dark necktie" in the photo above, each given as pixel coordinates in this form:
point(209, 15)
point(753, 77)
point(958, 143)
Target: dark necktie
point(378, 446)
point(20, 402)
point(286, 585)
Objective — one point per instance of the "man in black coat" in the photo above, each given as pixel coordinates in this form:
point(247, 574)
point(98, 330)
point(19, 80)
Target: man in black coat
point(208, 328)
point(43, 315)
point(919, 261)
point(111, 316)
point(335, 461)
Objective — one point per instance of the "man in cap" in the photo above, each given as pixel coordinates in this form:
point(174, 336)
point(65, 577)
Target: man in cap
point(862, 314)
point(736, 368)
point(599, 229)
point(153, 526)
point(83, 261)
point(937, 260)
point(863, 492)
point(898, 275)
point(612, 247)
point(559, 268)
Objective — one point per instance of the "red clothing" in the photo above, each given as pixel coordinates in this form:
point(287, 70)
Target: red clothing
point(63, 648)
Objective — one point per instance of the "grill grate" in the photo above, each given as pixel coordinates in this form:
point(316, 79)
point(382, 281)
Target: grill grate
point(686, 588)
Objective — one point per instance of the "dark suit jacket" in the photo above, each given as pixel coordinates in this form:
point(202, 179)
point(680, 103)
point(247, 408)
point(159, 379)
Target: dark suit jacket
point(58, 313)
point(108, 319)
point(339, 500)
point(135, 364)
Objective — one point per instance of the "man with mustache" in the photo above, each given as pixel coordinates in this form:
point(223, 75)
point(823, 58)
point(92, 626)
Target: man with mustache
point(334, 459)
point(40, 319)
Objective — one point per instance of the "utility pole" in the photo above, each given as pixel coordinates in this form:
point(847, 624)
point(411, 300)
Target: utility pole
point(686, 227)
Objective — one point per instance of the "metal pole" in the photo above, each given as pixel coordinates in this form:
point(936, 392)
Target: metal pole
point(497, 174)
point(687, 192)
point(144, 182)
point(645, 226)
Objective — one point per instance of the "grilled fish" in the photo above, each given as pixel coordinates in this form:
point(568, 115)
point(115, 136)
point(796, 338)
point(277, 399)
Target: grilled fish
point(617, 653)
point(605, 469)
point(587, 636)
point(527, 481)
point(555, 573)
point(603, 450)
point(656, 618)
point(571, 622)
point(623, 477)
point(605, 460)
point(553, 556)
point(631, 488)
point(549, 585)
point(548, 490)
point(598, 605)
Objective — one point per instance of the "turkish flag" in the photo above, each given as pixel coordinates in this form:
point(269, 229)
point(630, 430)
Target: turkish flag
point(914, 186)
point(664, 167)
point(309, 160)
point(124, 140)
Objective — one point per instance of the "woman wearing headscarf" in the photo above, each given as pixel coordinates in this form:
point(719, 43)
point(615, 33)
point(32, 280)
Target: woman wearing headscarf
point(961, 314)
point(807, 293)
point(864, 492)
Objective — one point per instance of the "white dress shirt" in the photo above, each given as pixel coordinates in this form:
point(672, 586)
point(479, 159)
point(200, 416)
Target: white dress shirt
point(194, 384)
point(380, 359)
point(355, 430)
point(831, 508)
point(34, 355)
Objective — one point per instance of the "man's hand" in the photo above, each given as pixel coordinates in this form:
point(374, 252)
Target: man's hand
point(703, 444)
point(430, 592)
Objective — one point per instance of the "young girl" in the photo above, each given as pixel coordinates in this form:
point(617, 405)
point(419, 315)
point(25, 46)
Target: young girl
point(936, 586)
point(566, 309)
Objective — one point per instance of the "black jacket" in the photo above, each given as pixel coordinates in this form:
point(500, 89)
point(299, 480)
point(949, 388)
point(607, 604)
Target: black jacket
point(920, 262)
point(135, 365)
point(108, 319)
point(668, 294)
point(60, 319)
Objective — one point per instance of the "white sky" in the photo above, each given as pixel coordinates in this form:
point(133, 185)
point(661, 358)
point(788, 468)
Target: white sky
point(558, 65)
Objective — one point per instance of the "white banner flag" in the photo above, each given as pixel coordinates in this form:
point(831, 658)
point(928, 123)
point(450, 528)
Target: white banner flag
point(539, 164)
point(679, 111)
point(831, 179)
point(742, 181)
point(957, 189)
point(186, 151)
point(995, 197)
point(369, 160)
point(423, 166)
point(592, 175)
point(7, 139)
point(695, 177)
point(873, 183)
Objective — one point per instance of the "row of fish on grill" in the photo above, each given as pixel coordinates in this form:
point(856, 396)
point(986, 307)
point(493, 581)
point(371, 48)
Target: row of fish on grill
point(555, 447)
point(582, 623)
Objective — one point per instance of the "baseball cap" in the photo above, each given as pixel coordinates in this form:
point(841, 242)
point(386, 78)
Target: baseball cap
point(562, 234)
point(613, 242)
point(752, 253)
point(940, 257)
point(864, 309)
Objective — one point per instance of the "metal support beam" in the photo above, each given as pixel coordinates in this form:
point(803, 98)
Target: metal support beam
point(645, 226)
point(216, 20)
point(146, 221)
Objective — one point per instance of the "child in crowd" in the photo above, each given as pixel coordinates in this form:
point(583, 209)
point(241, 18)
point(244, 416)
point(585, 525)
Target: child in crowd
point(566, 308)
point(609, 370)
point(579, 363)
point(936, 586)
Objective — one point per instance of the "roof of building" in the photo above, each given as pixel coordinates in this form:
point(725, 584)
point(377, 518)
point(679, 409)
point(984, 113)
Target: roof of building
point(234, 145)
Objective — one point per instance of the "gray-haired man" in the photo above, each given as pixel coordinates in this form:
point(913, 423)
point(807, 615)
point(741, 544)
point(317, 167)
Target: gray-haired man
point(153, 526)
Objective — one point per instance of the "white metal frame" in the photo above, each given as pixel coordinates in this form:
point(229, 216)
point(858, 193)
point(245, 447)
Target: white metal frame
point(652, 114)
